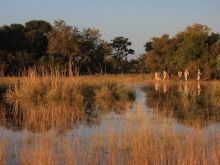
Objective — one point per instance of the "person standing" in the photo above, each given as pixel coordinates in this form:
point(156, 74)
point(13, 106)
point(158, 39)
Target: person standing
point(199, 75)
point(186, 74)
point(156, 76)
point(164, 75)
point(180, 73)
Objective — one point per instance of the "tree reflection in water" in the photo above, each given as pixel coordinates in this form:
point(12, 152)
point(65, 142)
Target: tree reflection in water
point(193, 104)
point(60, 116)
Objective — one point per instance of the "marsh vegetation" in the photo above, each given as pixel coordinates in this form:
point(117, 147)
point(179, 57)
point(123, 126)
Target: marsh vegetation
point(68, 96)
point(108, 120)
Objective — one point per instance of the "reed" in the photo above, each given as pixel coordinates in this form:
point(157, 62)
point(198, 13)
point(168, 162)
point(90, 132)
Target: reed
point(137, 142)
point(3, 154)
point(43, 152)
point(140, 144)
point(58, 87)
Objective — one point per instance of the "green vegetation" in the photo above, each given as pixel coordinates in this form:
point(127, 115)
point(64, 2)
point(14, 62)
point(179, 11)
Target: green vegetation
point(72, 51)
point(46, 47)
point(194, 105)
point(39, 95)
point(194, 48)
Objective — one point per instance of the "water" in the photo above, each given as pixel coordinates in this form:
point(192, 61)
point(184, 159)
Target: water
point(187, 107)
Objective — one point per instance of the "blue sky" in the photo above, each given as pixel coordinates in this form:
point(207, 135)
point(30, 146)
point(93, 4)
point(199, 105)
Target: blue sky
point(139, 20)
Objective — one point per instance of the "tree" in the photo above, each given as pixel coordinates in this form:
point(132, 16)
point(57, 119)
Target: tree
point(12, 38)
point(93, 51)
point(36, 34)
point(194, 48)
point(215, 48)
point(39, 25)
point(64, 39)
point(120, 50)
point(148, 46)
point(91, 39)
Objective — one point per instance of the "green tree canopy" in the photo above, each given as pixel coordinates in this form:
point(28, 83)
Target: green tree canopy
point(193, 48)
point(120, 47)
point(64, 39)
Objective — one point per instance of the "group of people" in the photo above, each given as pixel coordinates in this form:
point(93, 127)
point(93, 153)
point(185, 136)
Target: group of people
point(166, 76)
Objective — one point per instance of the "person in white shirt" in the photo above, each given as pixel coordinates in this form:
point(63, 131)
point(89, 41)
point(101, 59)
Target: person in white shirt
point(180, 73)
point(199, 75)
point(186, 74)
point(164, 75)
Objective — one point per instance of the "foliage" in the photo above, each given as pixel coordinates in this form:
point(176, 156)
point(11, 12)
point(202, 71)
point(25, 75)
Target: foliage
point(40, 45)
point(193, 48)
point(121, 51)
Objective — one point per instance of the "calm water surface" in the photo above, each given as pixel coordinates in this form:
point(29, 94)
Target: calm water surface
point(187, 107)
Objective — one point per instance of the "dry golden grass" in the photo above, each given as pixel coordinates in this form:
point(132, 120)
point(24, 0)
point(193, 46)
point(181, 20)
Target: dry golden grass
point(43, 152)
point(140, 144)
point(60, 116)
point(56, 87)
point(2, 152)
point(41, 118)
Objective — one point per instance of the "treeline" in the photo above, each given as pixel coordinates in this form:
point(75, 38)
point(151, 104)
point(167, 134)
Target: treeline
point(46, 47)
point(72, 51)
point(195, 47)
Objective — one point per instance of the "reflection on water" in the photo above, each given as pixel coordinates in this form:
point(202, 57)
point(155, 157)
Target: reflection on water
point(191, 104)
point(59, 116)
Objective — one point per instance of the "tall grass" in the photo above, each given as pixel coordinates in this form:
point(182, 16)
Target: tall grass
point(2, 152)
point(137, 142)
point(58, 116)
point(42, 152)
point(187, 104)
point(142, 144)
point(58, 87)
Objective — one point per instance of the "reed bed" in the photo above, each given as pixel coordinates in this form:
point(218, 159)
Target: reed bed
point(58, 116)
point(57, 87)
point(133, 145)
point(62, 106)
point(2, 152)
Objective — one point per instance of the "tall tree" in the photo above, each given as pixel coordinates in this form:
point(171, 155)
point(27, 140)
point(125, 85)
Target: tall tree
point(93, 51)
point(64, 39)
point(192, 48)
point(121, 50)
point(39, 25)
point(148, 46)
point(12, 38)
point(36, 34)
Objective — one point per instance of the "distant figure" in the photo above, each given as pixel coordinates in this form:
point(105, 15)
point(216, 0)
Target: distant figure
point(198, 74)
point(159, 76)
point(156, 76)
point(186, 74)
point(164, 75)
point(180, 73)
